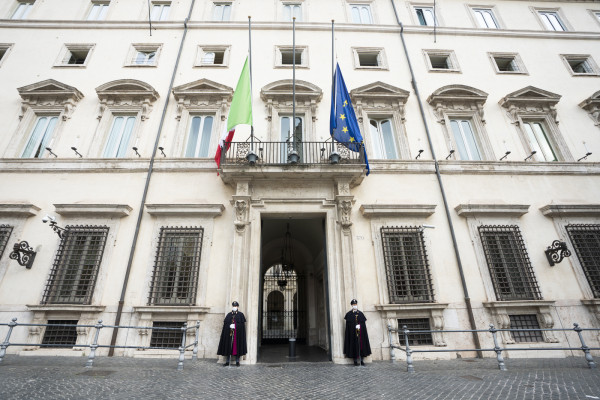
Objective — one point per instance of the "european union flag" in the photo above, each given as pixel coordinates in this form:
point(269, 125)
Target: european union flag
point(343, 124)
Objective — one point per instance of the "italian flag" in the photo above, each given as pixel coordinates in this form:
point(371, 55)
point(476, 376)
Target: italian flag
point(240, 111)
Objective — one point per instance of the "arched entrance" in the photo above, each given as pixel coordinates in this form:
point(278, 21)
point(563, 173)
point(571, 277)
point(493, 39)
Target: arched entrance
point(283, 315)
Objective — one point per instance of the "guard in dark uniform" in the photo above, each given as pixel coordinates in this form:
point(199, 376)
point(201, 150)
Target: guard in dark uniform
point(233, 336)
point(356, 341)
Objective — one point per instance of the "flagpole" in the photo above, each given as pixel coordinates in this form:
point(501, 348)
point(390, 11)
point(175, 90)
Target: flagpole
point(293, 83)
point(332, 75)
point(250, 65)
point(150, 17)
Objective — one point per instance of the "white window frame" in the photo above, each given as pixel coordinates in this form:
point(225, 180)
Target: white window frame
point(65, 55)
point(539, 140)
point(285, 146)
point(380, 149)
point(381, 58)
point(143, 48)
point(595, 15)
point(204, 49)
point(424, 9)
point(545, 23)
point(6, 47)
point(518, 62)
point(470, 153)
point(451, 57)
point(221, 13)
point(103, 7)
point(299, 18)
point(161, 5)
point(360, 7)
point(303, 58)
point(17, 14)
point(125, 147)
point(202, 141)
point(45, 139)
point(480, 20)
point(412, 11)
point(586, 58)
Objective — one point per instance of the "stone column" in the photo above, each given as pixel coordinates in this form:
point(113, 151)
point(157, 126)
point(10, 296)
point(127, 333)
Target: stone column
point(240, 247)
point(344, 202)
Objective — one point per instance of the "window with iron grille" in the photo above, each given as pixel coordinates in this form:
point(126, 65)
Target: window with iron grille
point(73, 275)
point(415, 324)
point(508, 262)
point(525, 322)
point(586, 242)
point(5, 231)
point(406, 265)
point(60, 336)
point(166, 338)
point(176, 266)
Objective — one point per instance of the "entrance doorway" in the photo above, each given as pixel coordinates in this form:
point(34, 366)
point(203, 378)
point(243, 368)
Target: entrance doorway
point(293, 295)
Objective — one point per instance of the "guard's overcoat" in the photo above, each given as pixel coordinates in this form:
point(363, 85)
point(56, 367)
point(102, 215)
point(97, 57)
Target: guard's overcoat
point(354, 339)
point(227, 338)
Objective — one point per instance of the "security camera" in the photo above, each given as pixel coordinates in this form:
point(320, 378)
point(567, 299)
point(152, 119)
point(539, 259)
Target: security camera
point(48, 218)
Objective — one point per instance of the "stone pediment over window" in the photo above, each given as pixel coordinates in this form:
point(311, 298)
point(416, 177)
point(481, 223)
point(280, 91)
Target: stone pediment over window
point(201, 94)
point(592, 106)
point(530, 100)
point(379, 95)
point(49, 95)
point(454, 98)
point(127, 95)
point(279, 94)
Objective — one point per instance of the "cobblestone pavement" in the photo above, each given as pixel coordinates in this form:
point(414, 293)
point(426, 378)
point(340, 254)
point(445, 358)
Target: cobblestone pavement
point(126, 378)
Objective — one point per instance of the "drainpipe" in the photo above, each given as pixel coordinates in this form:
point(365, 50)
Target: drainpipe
point(113, 341)
point(443, 192)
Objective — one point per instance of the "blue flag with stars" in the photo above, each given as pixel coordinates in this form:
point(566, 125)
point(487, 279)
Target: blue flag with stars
point(343, 124)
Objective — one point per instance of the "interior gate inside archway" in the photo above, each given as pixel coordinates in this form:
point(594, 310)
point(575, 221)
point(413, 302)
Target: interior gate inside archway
point(293, 290)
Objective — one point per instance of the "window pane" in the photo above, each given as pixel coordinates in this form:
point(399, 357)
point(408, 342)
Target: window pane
point(421, 17)
point(365, 15)
point(355, 15)
point(298, 13)
point(542, 139)
point(208, 58)
point(470, 142)
point(156, 10)
point(489, 19)
point(460, 145)
point(226, 12)
point(35, 138)
point(193, 137)
point(551, 21)
point(287, 13)
point(125, 137)
point(47, 136)
point(165, 12)
point(429, 17)
point(94, 12)
point(377, 147)
point(388, 139)
point(206, 133)
point(22, 11)
point(115, 133)
point(103, 11)
point(533, 143)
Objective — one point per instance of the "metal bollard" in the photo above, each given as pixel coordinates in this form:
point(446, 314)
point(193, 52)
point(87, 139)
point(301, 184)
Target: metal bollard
point(392, 353)
point(409, 360)
point(292, 348)
point(6, 342)
point(182, 348)
point(584, 348)
point(94, 346)
point(497, 349)
point(195, 351)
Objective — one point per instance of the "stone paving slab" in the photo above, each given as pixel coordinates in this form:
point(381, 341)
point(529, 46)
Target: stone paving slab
point(126, 378)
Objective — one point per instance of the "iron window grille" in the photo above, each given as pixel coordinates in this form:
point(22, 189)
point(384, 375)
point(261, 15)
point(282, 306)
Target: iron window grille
point(508, 262)
point(406, 265)
point(60, 336)
point(586, 242)
point(75, 270)
point(415, 324)
point(529, 321)
point(176, 266)
point(5, 232)
point(166, 338)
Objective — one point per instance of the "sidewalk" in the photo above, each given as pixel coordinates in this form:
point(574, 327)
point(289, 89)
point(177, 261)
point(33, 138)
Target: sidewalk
point(126, 378)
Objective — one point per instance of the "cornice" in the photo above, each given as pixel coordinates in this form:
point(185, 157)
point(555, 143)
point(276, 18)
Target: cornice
point(74, 165)
point(411, 306)
point(172, 309)
point(570, 210)
point(190, 210)
point(65, 308)
point(100, 210)
point(518, 303)
point(18, 210)
point(397, 210)
point(518, 168)
point(504, 210)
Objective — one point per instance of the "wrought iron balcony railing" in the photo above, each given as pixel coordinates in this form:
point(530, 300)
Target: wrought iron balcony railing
point(285, 153)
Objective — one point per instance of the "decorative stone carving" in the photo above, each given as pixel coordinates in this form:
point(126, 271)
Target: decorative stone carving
point(49, 95)
point(457, 98)
point(241, 214)
point(592, 106)
point(530, 100)
point(127, 94)
point(379, 96)
point(345, 207)
point(203, 94)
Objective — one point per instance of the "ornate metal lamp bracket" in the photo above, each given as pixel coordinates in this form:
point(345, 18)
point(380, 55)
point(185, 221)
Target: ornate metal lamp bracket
point(557, 252)
point(23, 253)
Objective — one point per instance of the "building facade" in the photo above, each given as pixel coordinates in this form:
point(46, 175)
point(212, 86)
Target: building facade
point(478, 121)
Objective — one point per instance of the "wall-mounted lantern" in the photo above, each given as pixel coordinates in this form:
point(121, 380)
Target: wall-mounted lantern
point(23, 253)
point(557, 252)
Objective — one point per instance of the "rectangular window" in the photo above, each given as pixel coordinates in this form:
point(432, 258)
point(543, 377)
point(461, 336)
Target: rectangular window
point(464, 137)
point(507, 63)
point(285, 56)
point(5, 232)
point(406, 265)
point(292, 10)
point(23, 9)
point(74, 55)
point(213, 56)
point(581, 64)
point(586, 242)
point(287, 143)
point(425, 16)
point(199, 136)
point(4, 49)
point(361, 13)
point(383, 139)
point(98, 11)
point(175, 277)
point(144, 57)
point(525, 322)
point(73, 275)
point(40, 136)
point(160, 11)
point(441, 61)
point(535, 133)
point(369, 59)
point(485, 18)
point(222, 12)
point(551, 21)
point(169, 337)
point(415, 324)
point(508, 263)
point(120, 133)
point(62, 336)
